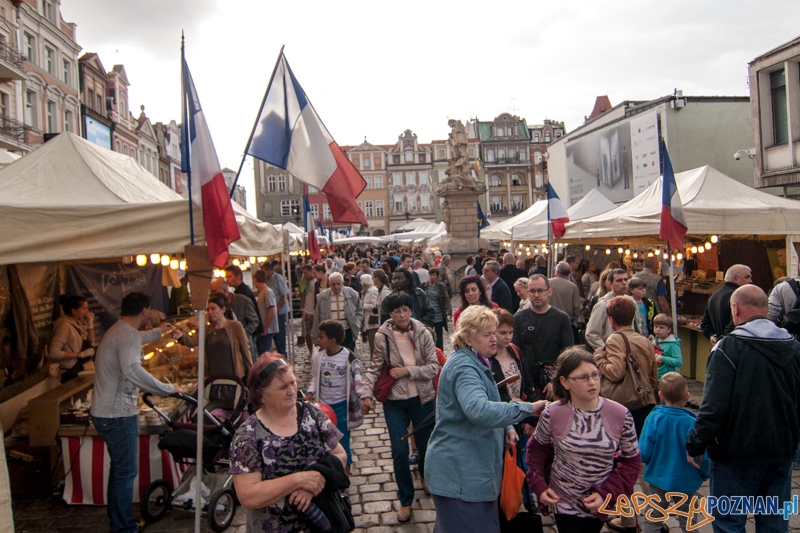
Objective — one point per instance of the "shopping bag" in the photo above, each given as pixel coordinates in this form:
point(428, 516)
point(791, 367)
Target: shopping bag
point(511, 489)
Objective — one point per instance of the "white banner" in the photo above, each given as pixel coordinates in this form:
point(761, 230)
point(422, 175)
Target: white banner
point(644, 141)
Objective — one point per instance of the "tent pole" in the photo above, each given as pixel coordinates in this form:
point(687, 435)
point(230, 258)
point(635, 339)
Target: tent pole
point(672, 293)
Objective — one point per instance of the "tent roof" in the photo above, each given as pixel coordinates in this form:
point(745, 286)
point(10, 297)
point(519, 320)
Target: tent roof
point(502, 230)
point(592, 204)
point(712, 202)
point(70, 199)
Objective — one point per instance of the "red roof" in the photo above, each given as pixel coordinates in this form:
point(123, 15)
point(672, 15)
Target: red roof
point(601, 105)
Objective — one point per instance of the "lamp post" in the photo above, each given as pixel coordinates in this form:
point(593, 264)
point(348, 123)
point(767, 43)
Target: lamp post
point(408, 216)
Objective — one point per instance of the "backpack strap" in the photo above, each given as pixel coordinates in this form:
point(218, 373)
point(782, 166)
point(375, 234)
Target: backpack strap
point(796, 288)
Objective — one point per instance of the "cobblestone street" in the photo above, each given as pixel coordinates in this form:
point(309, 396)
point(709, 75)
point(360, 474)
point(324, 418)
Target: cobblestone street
point(373, 491)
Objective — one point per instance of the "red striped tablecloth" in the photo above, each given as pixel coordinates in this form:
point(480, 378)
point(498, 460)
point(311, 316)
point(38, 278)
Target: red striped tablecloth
point(86, 462)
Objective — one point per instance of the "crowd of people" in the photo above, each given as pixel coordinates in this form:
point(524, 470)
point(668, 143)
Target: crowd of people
point(591, 391)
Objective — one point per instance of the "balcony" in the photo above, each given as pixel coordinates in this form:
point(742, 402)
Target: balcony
point(11, 64)
point(508, 160)
point(13, 134)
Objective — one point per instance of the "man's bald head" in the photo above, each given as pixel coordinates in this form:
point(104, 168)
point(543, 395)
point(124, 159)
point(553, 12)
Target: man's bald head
point(508, 259)
point(651, 263)
point(219, 285)
point(748, 301)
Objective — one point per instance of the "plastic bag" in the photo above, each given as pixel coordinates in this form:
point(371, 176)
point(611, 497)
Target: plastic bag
point(511, 489)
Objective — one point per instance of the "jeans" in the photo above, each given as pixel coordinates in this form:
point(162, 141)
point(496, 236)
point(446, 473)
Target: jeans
point(398, 414)
point(280, 337)
point(655, 527)
point(121, 436)
point(340, 409)
point(349, 341)
point(438, 328)
point(771, 479)
point(264, 344)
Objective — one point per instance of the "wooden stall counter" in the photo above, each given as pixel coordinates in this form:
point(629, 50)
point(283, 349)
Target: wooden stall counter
point(695, 348)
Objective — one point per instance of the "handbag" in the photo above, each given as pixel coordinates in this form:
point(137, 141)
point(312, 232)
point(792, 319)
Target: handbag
point(631, 391)
point(383, 385)
point(511, 488)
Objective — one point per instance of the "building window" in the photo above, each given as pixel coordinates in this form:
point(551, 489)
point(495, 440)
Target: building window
point(517, 181)
point(378, 182)
point(68, 122)
point(536, 137)
point(398, 205)
point(539, 179)
point(409, 157)
point(497, 203)
point(397, 179)
point(547, 137)
point(326, 212)
point(31, 117)
point(100, 103)
point(423, 178)
point(312, 190)
point(411, 179)
point(289, 207)
point(422, 158)
point(125, 149)
point(90, 98)
point(315, 211)
point(490, 156)
point(368, 180)
point(396, 159)
point(30, 48)
point(66, 70)
point(3, 104)
point(518, 203)
point(495, 181)
point(471, 152)
point(271, 181)
point(281, 182)
point(51, 116)
point(411, 200)
point(48, 59)
point(500, 131)
point(425, 202)
point(780, 117)
point(522, 155)
point(501, 155)
point(378, 208)
point(368, 209)
point(558, 135)
point(441, 153)
point(366, 161)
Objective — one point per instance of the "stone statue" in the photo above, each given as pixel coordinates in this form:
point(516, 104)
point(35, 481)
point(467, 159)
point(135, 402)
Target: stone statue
point(446, 215)
point(459, 170)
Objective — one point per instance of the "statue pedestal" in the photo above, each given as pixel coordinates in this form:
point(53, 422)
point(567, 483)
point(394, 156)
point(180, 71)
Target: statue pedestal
point(462, 227)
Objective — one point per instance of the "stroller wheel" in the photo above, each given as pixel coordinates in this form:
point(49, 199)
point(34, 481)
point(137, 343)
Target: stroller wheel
point(155, 501)
point(221, 508)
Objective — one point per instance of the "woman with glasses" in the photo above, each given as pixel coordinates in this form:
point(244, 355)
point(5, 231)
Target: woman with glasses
point(585, 432)
point(407, 347)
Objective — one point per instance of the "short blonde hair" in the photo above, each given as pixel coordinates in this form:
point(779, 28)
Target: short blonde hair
point(472, 320)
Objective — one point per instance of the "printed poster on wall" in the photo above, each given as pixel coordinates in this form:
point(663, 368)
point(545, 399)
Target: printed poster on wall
point(644, 141)
point(104, 285)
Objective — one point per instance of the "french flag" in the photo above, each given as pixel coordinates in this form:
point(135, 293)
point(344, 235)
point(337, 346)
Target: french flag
point(673, 225)
point(289, 134)
point(556, 212)
point(313, 243)
point(209, 191)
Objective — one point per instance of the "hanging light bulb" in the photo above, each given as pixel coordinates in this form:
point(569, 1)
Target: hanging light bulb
point(182, 264)
point(535, 250)
point(707, 245)
point(620, 250)
point(608, 251)
point(155, 258)
point(141, 260)
point(236, 262)
point(636, 255)
point(164, 260)
point(649, 254)
point(694, 249)
point(714, 239)
point(700, 249)
point(588, 247)
point(628, 251)
point(519, 245)
point(666, 255)
point(174, 264)
point(672, 258)
point(679, 256)
point(658, 251)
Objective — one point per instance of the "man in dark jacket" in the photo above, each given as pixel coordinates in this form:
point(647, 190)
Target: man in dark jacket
point(510, 274)
point(717, 318)
point(750, 414)
point(497, 290)
point(421, 308)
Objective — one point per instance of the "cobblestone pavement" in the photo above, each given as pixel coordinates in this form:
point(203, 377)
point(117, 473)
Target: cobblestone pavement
point(373, 491)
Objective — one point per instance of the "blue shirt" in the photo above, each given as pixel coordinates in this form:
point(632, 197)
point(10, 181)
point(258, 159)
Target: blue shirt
point(465, 450)
point(278, 286)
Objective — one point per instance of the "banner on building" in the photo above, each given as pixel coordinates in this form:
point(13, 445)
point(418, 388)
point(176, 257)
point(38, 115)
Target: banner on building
point(645, 143)
point(104, 285)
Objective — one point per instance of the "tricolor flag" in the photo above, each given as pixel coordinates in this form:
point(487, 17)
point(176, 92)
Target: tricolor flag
point(199, 160)
point(673, 221)
point(313, 243)
point(290, 135)
point(556, 212)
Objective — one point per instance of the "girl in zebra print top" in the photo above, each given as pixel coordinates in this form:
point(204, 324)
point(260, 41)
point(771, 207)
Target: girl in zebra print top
point(594, 445)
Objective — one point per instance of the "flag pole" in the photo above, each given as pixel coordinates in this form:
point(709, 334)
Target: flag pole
point(255, 123)
point(186, 140)
point(672, 292)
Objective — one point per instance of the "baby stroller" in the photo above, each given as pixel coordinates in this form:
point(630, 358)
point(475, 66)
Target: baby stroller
point(226, 402)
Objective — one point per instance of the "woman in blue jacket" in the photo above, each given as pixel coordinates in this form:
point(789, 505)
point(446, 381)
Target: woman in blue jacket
point(464, 467)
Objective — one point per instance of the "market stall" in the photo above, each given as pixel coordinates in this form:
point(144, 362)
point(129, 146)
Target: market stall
point(501, 231)
point(536, 229)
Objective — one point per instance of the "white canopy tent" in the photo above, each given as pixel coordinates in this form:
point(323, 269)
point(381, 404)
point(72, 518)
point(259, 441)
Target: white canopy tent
point(71, 199)
point(422, 232)
point(502, 230)
point(591, 205)
point(414, 224)
point(712, 202)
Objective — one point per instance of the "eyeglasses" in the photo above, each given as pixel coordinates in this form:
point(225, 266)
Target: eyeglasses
point(595, 376)
point(537, 291)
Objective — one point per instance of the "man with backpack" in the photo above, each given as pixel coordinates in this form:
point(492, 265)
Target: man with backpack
point(784, 306)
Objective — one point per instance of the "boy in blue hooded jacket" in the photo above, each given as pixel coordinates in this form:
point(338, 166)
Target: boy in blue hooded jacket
point(663, 448)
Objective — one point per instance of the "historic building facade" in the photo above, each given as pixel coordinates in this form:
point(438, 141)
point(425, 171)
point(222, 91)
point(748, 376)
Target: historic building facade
point(370, 160)
point(409, 172)
point(279, 195)
point(505, 147)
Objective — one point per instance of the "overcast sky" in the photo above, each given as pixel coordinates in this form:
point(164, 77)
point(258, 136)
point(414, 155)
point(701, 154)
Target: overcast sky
point(373, 69)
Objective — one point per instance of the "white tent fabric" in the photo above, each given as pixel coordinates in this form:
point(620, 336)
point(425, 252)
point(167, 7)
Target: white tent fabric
point(7, 157)
point(422, 232)
point(591, 205)
point(71, 199)
point(502, 230)
point(414, 224)
point(712, 202)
